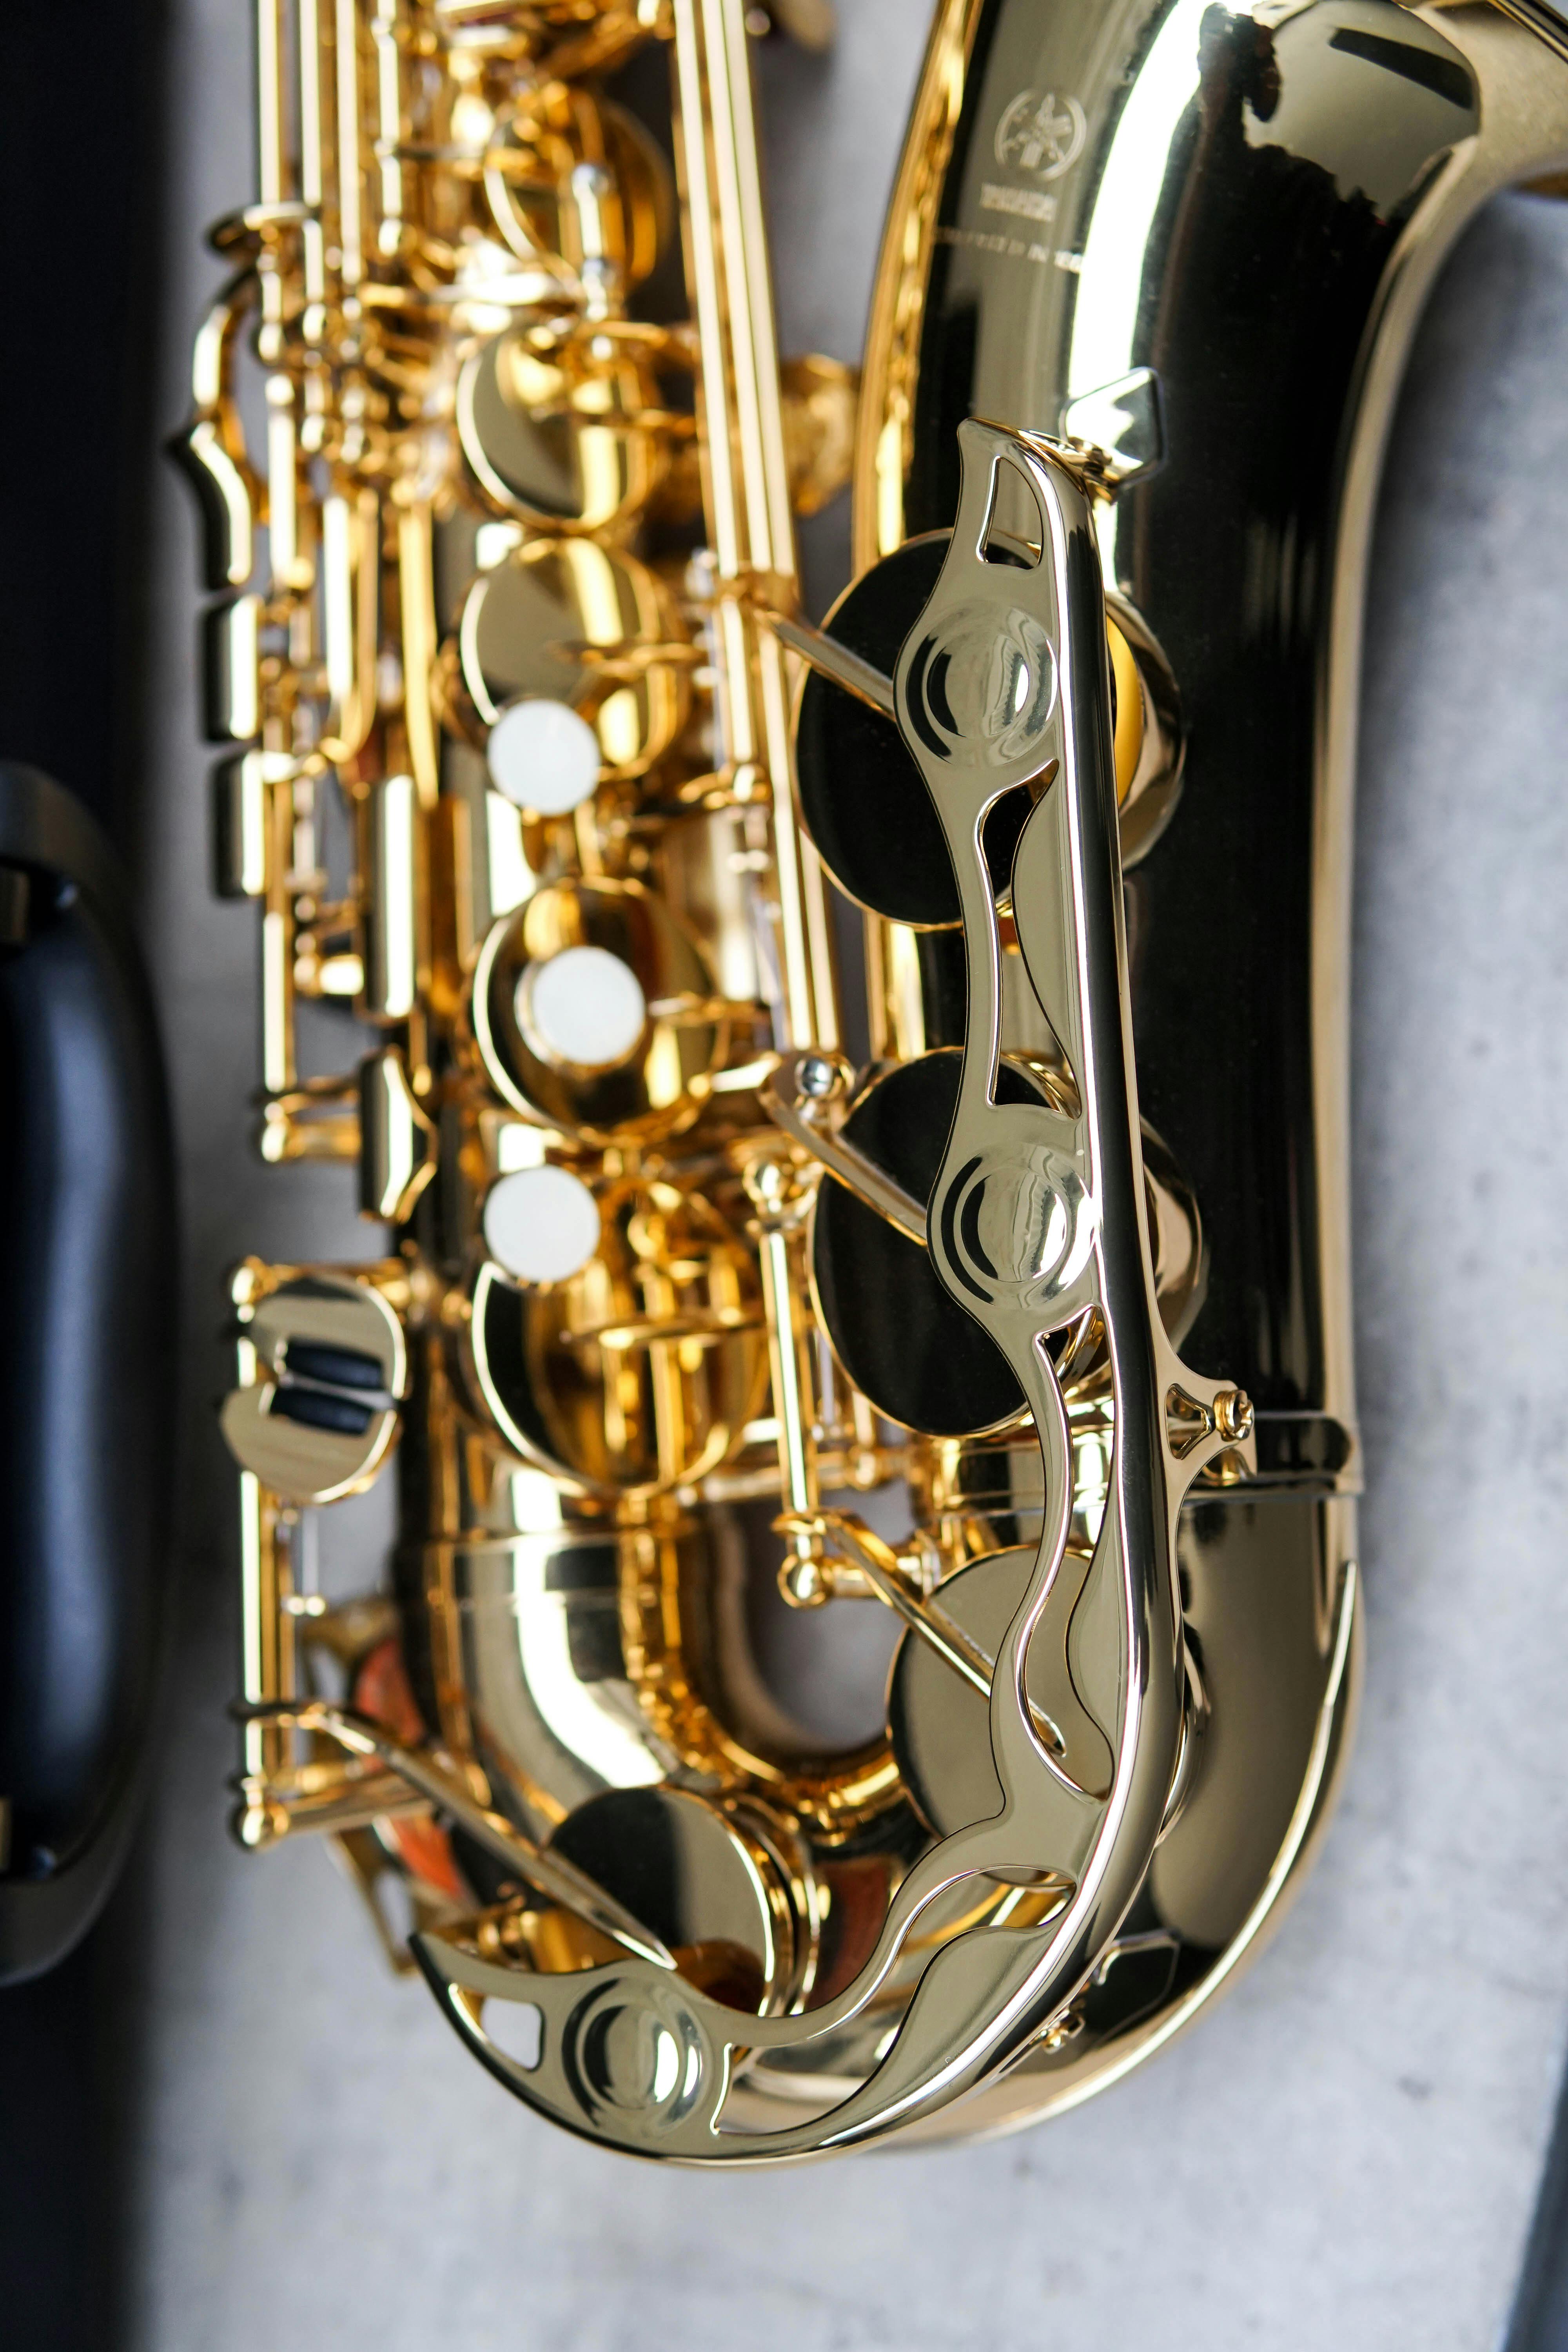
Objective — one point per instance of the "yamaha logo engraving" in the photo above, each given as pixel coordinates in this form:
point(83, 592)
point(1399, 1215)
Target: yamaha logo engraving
point(1040, 132)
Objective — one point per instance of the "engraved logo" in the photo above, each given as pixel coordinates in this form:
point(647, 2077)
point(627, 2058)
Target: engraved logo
point(1040, 132)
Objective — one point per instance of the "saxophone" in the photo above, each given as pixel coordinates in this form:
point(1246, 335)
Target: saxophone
point(1013, 1317)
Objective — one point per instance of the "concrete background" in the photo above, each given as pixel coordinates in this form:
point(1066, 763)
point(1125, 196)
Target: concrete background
point(1346, 2152)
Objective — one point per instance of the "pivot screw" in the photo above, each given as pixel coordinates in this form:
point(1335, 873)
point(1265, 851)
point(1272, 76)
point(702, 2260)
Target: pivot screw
point(816, 1076)
point(804, 1582)
point(1233, 1415)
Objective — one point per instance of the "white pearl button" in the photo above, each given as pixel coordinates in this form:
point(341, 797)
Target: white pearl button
point(541, 1223)
point(584, 1006)
point(543, 756)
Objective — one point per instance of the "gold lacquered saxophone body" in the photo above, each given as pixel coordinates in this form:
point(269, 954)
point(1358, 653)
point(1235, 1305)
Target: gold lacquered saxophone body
point(537, 771)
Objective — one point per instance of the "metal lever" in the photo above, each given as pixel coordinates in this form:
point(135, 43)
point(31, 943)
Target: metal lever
point(941, 1633)
point(549, 1873)
point(835, 661)
point(803, 1081)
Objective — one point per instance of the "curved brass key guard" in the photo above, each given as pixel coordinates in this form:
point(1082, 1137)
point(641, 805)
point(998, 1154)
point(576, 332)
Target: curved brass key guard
point(1037, 1216)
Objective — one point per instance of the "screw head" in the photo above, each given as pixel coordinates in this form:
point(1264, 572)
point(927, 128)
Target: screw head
point(1233, 1415)
point(766, 1183)
point(803, 1583)
point(816, 1076)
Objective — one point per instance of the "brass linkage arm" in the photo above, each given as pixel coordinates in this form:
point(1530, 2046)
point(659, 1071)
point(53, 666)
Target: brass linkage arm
point(835, 661)
point(549, 1873)
point(840, 1532)
point(796, 1098)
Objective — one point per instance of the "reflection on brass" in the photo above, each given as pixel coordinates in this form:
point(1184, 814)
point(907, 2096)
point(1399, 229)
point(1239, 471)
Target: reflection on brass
point(943, 1751)
point(555, 436)
point(661, 1082)
point(589, 625)
point(551, 1874)
point(397, 1157)
point(818, 397)
point(1148, 735)
point(1049, 1271)
point(322, 1364)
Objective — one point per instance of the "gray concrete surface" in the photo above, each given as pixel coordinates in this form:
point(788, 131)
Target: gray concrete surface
point(1345, 2153)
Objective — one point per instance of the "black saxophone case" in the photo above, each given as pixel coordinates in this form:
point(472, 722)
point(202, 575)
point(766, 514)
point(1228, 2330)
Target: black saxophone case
point(87, 1369)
